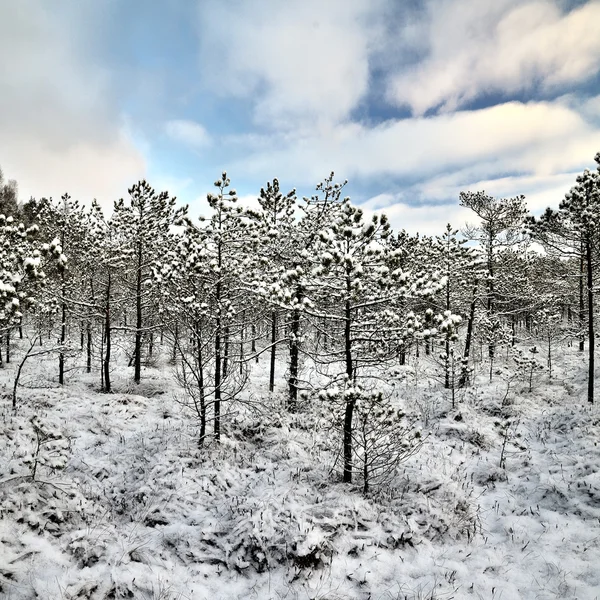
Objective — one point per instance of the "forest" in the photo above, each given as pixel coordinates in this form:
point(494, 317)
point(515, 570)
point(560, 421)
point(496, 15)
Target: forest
point(296, 400)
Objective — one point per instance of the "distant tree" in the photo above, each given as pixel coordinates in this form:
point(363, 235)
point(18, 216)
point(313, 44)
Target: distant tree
point(573, 231)
point(9, 197)
point(501, 224)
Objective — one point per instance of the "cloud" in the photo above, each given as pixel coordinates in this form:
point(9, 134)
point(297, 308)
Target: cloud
point(505, 47)
point(418, 166)
point(188, 132)
point(424, 220)
point(539, 138)
point(439, 198)
point(60, 124)
point(301, 61)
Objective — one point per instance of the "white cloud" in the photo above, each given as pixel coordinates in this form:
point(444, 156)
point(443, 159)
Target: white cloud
point(60, 126)
point(188, 132)
point(427, 220)
point(439, 198)
point(539, 138)
point(298, 61)
point(504, 46)
point(544, 145)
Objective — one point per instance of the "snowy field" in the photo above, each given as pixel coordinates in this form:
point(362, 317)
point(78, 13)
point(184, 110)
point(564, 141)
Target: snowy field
point(125, 505)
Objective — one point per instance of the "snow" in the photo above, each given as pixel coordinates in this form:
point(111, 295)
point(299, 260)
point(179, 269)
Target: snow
point(139, 511)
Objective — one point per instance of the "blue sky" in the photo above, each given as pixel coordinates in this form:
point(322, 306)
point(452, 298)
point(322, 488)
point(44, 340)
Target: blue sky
point(411, 101)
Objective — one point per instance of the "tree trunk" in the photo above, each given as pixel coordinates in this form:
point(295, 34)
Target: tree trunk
point(175, 343)
point(581, 306)
point(490, 301)
point(225, 369)
point(242, 340)
point(365, 471)
point(201, 387)
point(294, 361)
point(107, 327)
point(137, 368)
point(349, 411)
point(464, 375)
point(63, 332)
point(447, 341)
point(88, 366)
point(217, 424)
point(102, 356)
point(273, 350)
point(591, 340)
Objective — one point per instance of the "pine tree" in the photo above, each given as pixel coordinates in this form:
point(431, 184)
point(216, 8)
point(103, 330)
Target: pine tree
point(500, 227)
point(21, 269)
point(65, 222)
point(227, 255)
point(184, 280)
point(461, 268)
point(144, 227)
point(572, 231)
point(277, 248)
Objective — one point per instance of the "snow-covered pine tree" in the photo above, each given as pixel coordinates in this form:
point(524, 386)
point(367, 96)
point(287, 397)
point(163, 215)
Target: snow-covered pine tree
point(184, 280)
point(573, 231)
point(65, 222)
point(277, 254)
point(144, 226)
point(351, 284)
point(227, 263)
point(461, 268)
point(501, 224)
point(105, 262)
point(22, 273)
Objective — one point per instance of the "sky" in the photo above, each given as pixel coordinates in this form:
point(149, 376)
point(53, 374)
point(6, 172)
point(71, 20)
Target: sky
point(411, 101)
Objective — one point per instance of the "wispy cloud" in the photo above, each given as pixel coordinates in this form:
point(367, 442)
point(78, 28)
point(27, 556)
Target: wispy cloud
point(538, 137)
point(504, 47)
point(188, 132)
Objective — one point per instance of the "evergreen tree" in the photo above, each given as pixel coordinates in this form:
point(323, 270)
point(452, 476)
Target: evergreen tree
point(144, 227)
point(9, 197)
point(276, 233)
point(227, 263)
point(572, 231)
point(501, 221)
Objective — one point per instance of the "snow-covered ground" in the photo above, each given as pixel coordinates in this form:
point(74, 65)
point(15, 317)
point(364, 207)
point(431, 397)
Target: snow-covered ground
point(139, 511)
